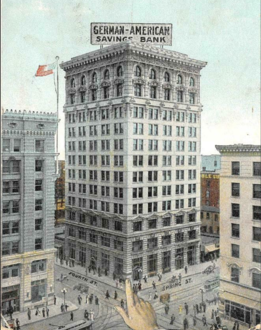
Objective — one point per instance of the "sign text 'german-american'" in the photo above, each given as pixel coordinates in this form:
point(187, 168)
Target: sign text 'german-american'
point(112, 33)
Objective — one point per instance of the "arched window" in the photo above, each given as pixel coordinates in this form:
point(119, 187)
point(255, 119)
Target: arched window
point(73, 83)
point(138, 71)
point(166, 77)
point(94, 77)
point(180, 79)
point(119, 71)
point(83, 80)
point(192, 82)
point(152, 74)
point(107, 74)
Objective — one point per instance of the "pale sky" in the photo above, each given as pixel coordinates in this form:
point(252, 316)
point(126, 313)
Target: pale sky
point(224, 33)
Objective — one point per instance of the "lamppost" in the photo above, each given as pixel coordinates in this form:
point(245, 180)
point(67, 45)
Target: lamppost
point(202, 292)
point(64, 291)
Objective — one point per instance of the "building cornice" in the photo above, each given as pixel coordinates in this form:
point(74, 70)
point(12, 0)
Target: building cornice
point(239, 148)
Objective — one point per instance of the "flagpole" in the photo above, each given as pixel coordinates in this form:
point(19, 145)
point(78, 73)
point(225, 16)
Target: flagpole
point(57, 112)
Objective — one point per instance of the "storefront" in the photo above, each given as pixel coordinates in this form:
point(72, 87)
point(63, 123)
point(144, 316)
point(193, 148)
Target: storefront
point(191, 255)
point(166, 261)
point(137, 269)
point(152, 262)
point(179, 258)
point(38, 290)
point(11, 297)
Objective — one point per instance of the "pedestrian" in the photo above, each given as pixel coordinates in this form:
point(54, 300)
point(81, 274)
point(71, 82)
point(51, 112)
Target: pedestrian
point(186, 308)
point(197, 309)
point(234, 326)
point(54, 299)
point(91, 315)
point(194, 321)
point(212, 314)
point(90, 299)
point(172, 319)
point(66, 307)
point(139, 285)
point(107, 295)
point(180, 309)
point(86, 314)
point(156, 295)
point(47, 311)
point(79, 299)
point(29, 313)
point(186, 269)
point(99, 271)
point(87, 299)
point(180, 277)
point(43, 312)
point(204, 320)
point(154, 285)
point(145, 279)
point(71, 319)
point(200, 307)
point(96, 300)
point(122, 303)
point(237, 325)
point(62, 308)
point(115, 295)
point(17, 324)
point(10, 312)
point(204, 305)
point(37, 311)
point(185, 324)
point(218, 320)
point(166, 309)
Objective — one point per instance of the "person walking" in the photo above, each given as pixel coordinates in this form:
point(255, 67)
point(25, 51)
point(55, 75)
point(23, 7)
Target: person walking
point(86, 314)
point(43, 312)
point(212, 314)
point(145, 279)
point(115, 295)
point(17, 324)
point(156, 295)
point(139, 286)
point(204, 320)
point(154, 285)
point(29, 313)
point(185, 324)
point(180, 309)
point(54, 299)
point(87, 299)
point(62, 308)
point(186, 269)
point(166, 309)
point(96, 300)
point(122, 303)
point(186, 308)
point(10, 312)
point(71, 319)
point(90, 299)
point(79, 299)
point(204, 305)
point(47, 311)
point(91, 315)
point(66, 307)
point(107, 295)
point(37, 311)
point(172, 319)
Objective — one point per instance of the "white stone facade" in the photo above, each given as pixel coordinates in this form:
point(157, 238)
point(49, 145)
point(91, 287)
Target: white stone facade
point(133, 160)
point(28, 178)
point(240, 232)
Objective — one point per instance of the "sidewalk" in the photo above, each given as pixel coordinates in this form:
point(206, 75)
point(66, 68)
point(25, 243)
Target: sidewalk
point(54, 310)
point(192, 270)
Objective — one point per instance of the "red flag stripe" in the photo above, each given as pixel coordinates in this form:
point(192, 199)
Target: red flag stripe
point(41, 72)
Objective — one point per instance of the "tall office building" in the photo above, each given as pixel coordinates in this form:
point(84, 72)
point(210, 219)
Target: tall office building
point(133, 134)
point(240, 232)
point(28, 205)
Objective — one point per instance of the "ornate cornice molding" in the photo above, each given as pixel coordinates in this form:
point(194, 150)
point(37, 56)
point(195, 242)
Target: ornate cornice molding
point(21, 132)
point(118, 81)
point(139, 81)
point(105, 84)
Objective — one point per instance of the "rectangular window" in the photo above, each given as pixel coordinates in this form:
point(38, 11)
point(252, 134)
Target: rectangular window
point(235, 168)
point(235, 187)
point(38, 244)
point(235, 209)
point(235, 274)
point(235, 251)
point(39, 145)
point(166, 222)
point(257, 168)
point(153, 92)
point(256, 190)
point(257, 234)
point(38, 185)
point(38, 224)
point(17, 145)
point(152, 224)
point(257, 212)
point(137, 226)
point(38, 165)
point(257, 255)
point(38, 205)
point(235, 230)
point(6, 145)
point(256, 280)
point(180, 96)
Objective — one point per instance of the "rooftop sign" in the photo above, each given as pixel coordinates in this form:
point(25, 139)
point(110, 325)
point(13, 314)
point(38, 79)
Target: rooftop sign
point(112, 33)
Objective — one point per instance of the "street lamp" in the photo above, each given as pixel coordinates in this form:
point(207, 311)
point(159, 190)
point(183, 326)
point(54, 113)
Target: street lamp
point(64, 291)
point(202, 292)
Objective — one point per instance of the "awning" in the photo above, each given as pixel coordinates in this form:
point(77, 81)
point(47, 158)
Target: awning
point(238, 299)
point(211, 248)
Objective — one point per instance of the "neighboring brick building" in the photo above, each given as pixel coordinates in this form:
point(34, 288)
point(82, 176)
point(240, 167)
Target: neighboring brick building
point(28, 207)
point(133, 122)
point(210, 189)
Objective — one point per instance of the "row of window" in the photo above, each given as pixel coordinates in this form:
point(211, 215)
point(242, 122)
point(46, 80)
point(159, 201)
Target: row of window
point(136, 192)
point(256, 278)
point(137, 177)
point(235, 190)
point(12, 227)
point(13, 207)
point(13, 247)
point(138, 112)
point(14, 270)
point(138, 91)
point(256, 253)
point(235, 168)
point(137, 73)
point(136, 208)
point(235, 211)
point(235, 232)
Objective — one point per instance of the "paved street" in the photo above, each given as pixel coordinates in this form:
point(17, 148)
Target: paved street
point(105, 316)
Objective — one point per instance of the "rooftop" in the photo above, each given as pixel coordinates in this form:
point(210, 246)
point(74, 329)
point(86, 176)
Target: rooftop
point(238, 148)
point(28, 112)
point(143, 49)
